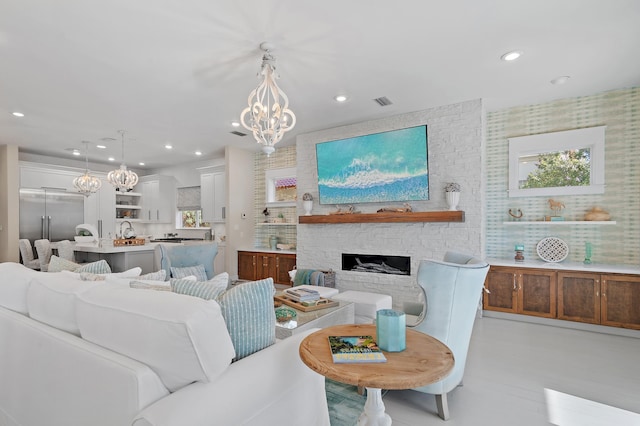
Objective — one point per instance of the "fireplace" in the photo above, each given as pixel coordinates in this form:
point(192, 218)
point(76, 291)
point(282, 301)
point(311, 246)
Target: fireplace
point(378, 264)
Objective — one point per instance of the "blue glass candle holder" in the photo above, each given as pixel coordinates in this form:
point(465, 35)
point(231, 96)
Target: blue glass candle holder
point(391, 331)
point(587, 253)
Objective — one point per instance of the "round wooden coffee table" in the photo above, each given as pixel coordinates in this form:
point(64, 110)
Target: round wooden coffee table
point(426, 360)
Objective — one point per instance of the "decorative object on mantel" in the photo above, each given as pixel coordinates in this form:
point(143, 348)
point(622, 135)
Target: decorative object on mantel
point(552, 249)
point(405, 208)
point(597, 214)
point(279, 219)
point(122, 179)
point(266, 214)
point(556, 207)
point(519, 257)
point(452, 194)
point(87, 184)
point(307, 203)
point(268, 113)
point(349, 210)
point(516, 214)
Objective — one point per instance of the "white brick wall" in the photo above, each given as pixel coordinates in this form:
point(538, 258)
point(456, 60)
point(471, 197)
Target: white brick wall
point(456, 150)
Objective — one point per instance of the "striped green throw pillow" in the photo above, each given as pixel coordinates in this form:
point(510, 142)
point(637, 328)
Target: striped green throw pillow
point(198, 271)
point(204, 289)
point(98, 267)
point(248, 312)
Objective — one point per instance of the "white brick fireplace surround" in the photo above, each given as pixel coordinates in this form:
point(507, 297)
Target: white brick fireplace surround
point(456, 154)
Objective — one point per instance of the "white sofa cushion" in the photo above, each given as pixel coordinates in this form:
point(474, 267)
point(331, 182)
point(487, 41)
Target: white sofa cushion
point(182, 338)
point(51, 299)
point(14, 285)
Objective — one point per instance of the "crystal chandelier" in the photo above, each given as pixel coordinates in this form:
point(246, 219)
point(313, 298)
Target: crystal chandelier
point(87, 184)
point(268, 116)
point(124, 180)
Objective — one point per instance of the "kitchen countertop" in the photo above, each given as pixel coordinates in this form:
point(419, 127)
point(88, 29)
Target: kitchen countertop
point(568, 266)
point(96, 248)
point(267, 250)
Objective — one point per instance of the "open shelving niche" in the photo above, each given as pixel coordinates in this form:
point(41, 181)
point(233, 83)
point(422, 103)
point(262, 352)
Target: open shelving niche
point(130, 197)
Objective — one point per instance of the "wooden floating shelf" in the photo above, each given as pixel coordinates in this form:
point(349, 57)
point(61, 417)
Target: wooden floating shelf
point(386, 217)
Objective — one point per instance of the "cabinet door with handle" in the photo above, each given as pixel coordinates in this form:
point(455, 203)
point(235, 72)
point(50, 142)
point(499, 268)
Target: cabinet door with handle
point(537, 292)
point(579, 297)
point(620, 301)
point(502, 286)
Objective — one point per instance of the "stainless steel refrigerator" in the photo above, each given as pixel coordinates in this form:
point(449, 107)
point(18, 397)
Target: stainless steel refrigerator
point(50, 214)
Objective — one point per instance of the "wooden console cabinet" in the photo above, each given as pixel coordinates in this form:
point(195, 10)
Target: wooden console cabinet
point(256, 265)
point(521, 291)
point(589, 297)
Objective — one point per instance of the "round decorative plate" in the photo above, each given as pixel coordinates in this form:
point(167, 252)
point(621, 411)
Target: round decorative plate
point(552, 249)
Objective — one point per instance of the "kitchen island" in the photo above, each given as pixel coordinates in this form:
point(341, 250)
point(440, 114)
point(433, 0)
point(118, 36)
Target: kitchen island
point(119, 258)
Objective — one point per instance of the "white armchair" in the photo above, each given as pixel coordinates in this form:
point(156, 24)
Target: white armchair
point(452, 288)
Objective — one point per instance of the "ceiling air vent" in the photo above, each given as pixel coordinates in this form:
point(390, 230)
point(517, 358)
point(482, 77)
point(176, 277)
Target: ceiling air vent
point(237, 133)
point(383, 101)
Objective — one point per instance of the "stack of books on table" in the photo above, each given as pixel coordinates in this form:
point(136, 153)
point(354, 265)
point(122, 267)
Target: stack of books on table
point(302, 294)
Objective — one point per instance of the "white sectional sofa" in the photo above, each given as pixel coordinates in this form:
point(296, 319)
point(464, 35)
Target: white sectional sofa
point(100, 353)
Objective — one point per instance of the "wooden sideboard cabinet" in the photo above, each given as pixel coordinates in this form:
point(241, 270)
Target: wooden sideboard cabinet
point(521, 291)
point(255, 265)
point(589, 297)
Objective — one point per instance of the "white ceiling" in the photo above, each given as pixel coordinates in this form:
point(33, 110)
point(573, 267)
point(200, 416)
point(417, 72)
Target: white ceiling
point(180, 71)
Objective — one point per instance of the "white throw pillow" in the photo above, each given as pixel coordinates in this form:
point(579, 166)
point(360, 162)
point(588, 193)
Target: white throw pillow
point(183, 339)
point(51, 299)
point(15, 283)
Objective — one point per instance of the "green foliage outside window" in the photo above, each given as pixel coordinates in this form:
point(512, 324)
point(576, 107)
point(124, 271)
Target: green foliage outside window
point(566, 168)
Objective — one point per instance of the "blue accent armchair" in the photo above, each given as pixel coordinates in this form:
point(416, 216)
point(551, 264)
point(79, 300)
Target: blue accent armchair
point(167, 255)
point(452, 290)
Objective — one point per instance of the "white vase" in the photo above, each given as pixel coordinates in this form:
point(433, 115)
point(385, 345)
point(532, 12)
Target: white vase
point(307, 205)
point(452, 200)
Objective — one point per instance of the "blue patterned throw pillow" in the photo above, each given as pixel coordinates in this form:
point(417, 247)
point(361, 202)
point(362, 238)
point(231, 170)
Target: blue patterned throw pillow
point(198, 271)
point(98, 267)
point(248, 312)
point(203, 289)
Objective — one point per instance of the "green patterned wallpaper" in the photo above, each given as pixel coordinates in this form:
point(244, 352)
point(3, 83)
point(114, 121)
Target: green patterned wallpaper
point(619, 110)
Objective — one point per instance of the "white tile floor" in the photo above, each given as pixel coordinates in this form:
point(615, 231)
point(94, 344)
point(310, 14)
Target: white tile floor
point(511, 363)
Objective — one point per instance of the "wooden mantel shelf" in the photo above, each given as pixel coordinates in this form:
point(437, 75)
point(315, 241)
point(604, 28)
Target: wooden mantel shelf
point(439, 216)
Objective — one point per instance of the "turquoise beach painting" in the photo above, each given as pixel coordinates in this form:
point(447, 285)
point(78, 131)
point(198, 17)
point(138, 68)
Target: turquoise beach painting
point(380, 167)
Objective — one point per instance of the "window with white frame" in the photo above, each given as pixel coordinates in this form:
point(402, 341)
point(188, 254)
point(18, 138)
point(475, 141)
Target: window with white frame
point(189, 212)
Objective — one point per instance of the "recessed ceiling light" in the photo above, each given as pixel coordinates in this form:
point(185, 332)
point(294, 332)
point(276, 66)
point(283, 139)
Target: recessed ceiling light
point(560, 80)
point(18, 114)
point(198, 153)
point(511, 56)
point(111, 159)
point(235, 124)
point(101, 147)
point(168, 146)
point(141, 164)
point(340, 98)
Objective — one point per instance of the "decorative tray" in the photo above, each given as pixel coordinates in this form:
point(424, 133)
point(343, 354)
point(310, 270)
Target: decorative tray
point(128, 242)
point(552, 249)
point(320, 303)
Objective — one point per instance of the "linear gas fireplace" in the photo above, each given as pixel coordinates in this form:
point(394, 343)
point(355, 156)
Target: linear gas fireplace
point(394, 265)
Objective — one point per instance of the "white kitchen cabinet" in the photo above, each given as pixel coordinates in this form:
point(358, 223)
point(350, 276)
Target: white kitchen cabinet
point(213, 195)
point(38, 176)
point(158, 199)
point(98, 209)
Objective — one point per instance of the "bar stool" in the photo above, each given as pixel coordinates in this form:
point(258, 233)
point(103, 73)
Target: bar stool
point(43, 248)
point(26, 252)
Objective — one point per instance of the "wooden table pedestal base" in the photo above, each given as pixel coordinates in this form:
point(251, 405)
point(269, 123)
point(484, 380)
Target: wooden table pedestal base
point(373, 414)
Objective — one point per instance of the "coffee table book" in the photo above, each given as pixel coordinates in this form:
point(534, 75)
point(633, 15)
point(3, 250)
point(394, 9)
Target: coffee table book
point(355, 349)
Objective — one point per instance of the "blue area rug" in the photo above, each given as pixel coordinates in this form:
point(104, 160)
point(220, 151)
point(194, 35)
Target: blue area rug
point(345, 405)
